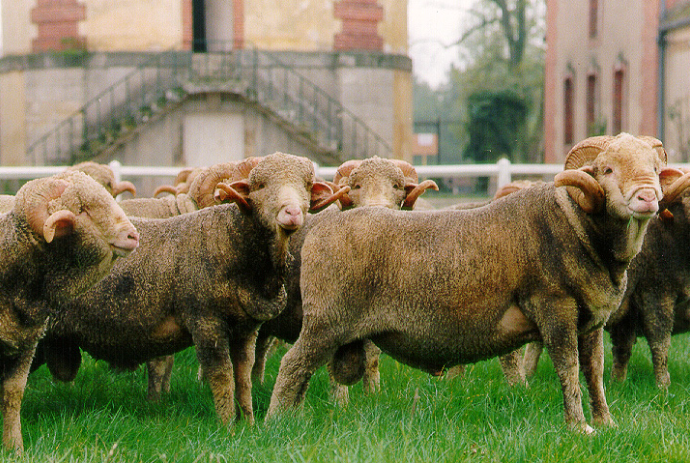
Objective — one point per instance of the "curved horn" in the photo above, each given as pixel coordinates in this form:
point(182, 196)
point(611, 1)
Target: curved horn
point(344, 170)
point(244, 167)
point(124, 186)
point(202, 188)
point(36, 206)
point(513, 187)
point(586, 150)
point(227, 193)
point(182, 175)
point(674, 182)
point(583, 188)
point(165, 189)
point(656, 145)
point(408, 170)
point(325, 196)
point(58, 224)
point(414, 194)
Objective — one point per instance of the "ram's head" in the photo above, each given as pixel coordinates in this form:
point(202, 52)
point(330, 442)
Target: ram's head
point(622, 175)
point(380, 182)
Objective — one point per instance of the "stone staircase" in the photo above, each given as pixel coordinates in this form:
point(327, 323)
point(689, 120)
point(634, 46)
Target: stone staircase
point(152, 90)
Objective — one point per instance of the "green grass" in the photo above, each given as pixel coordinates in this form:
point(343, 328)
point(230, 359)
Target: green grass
point(103, 416)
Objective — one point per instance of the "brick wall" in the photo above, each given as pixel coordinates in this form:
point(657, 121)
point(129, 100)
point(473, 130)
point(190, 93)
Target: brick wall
point(58, 25)
point(360, 20)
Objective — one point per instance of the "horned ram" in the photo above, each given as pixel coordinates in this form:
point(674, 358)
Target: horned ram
point(436, 289)
point(63, 234)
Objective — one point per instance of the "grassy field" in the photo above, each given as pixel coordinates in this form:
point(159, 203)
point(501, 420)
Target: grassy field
point(103, 416)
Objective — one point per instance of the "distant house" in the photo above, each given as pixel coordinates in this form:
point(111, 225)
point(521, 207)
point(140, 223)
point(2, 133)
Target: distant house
point(425, 149)
point(191, 82)
point(617, 65)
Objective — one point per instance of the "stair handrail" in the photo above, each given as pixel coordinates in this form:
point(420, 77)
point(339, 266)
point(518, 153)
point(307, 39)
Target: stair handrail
point(79, 126)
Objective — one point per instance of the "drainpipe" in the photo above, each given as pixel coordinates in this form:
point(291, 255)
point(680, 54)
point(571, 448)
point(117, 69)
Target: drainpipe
point(661, 100)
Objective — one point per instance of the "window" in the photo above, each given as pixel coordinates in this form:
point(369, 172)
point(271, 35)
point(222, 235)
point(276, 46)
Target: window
point(618, 80)
point(593, 18)
point(568, 128)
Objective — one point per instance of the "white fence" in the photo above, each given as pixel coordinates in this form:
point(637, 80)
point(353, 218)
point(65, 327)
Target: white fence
point(503, 171)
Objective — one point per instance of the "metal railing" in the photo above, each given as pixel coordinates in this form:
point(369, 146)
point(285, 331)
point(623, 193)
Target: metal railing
point(503, 171)
point(119, 108)
point(259, 76)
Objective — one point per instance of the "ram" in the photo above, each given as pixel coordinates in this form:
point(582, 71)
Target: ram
point(375, 181)
point(436, 289)
point(194, 190)
point(62, 235)
point(101, 173)
point(657, 298)
point(199, 194)
point(206, 279)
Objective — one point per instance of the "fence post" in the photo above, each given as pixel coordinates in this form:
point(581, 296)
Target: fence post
point(504, 177)
point(115, 165)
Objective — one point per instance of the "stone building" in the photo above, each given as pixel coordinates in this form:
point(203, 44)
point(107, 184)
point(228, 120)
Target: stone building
point(617, 65)
point(194, 82)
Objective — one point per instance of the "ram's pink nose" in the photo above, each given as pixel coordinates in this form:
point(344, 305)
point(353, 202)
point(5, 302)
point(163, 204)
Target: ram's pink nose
point(126, 242)
point(290, 218)
point(645, 201)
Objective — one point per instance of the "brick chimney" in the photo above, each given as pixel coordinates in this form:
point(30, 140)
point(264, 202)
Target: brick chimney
point(58, 25)
point(360, 23)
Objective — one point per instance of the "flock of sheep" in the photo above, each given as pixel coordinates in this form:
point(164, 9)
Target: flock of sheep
point(230, 261)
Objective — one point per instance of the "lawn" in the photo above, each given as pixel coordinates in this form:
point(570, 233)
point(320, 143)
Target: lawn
point(103, 416)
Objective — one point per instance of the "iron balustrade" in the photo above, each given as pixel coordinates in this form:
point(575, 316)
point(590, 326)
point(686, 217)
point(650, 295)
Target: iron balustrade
point(162, 82)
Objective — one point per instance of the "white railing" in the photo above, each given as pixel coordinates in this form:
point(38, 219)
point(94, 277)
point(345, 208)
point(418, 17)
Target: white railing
point(503, 170)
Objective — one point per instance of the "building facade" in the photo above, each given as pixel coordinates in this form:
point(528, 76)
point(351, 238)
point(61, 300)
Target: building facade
point(60, 55)
point(616, 65)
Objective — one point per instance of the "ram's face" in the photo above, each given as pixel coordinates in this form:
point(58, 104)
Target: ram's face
point(280, 189)
point(628, 171)
point(377, 182)
point(81, 227)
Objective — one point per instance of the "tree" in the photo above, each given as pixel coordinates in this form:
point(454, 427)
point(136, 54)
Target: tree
point(497, 120)
point(504, 52)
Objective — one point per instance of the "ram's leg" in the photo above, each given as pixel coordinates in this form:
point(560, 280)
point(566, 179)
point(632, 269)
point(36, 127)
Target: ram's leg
point(314, 347)
point(159, 372)
point(242, 352)
point(560, 338)
point(263, 345)
point(372, 376)
point(513, 370)
point(15, 374)
point(531, 360)
point(657, 325)
point(623, 336)
point(213, 352)
point(591, 349)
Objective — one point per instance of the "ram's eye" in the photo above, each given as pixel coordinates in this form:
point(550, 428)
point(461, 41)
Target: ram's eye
point(608, 171)
point(357, 186)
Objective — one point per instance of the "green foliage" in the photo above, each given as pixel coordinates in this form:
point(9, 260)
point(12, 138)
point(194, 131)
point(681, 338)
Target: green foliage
point(497, 60)
point(496, 121)
point(103, 417)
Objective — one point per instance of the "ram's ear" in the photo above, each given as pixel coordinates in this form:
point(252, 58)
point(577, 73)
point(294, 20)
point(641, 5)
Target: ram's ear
point(236, 192)
point(58, 224)
point(583, 188)
point(414, 191)
point(322, 195)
